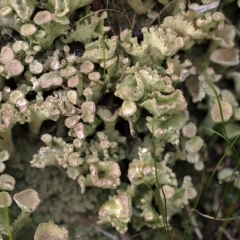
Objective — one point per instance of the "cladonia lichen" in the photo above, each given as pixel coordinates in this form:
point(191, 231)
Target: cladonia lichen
point(80, 103)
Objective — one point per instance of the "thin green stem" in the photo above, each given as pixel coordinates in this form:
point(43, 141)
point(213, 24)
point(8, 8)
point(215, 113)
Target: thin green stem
point(7, 220)
point(163, 211)
point(220, 108)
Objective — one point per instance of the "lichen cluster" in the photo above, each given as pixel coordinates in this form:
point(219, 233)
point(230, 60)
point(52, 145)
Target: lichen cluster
point(96, 101)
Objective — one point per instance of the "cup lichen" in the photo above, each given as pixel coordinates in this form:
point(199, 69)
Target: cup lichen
point(95, 98)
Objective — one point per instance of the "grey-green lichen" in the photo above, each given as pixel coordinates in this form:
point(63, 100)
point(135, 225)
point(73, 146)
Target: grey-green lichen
point(90, 92)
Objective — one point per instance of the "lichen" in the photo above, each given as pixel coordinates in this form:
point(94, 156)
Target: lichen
point(94, 119)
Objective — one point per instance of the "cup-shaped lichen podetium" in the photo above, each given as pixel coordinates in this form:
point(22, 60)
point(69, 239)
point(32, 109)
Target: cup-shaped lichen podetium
point(28, 201)
point(7, 182)
point(5, 199)
point(225, 108)
point(105, 174)
point(50, 231)
point(117, 211)
point(4, 156)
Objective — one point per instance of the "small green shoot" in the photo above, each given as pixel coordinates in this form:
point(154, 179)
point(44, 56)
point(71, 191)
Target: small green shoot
point(162, 206)
point(7, 221)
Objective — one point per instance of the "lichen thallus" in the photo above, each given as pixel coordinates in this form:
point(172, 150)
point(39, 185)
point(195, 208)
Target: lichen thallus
point(105, 85)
